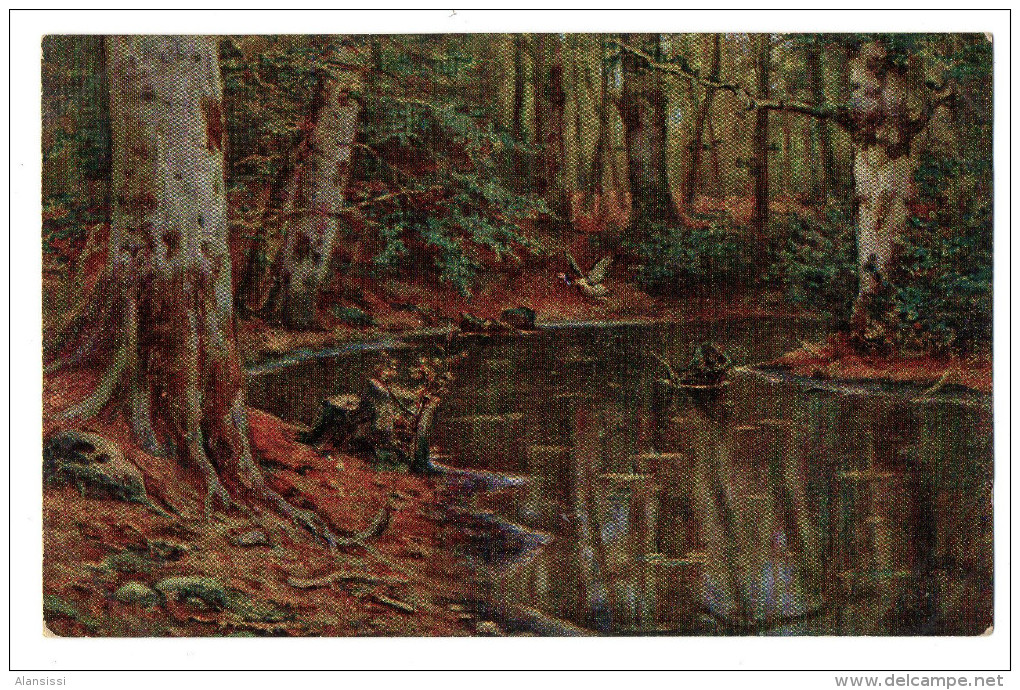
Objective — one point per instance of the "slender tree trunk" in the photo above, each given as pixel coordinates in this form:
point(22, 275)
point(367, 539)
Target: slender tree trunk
point(760, 164)
point(692, 178)
point(717, 185)
point(643, 110)
point(312, 225)
point(632, 106)
point(518, 172)
point(554, 141)
point(820, 128)
point(784, 180)
point(253, 283)
point(517, 116)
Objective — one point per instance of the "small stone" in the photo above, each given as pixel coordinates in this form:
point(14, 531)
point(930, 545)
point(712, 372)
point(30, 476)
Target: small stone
point(137, 593)
point(487, 629)
point(253, 537)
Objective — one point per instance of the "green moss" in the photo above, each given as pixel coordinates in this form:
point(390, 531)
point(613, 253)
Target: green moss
point(137, 593)
point(191, 589)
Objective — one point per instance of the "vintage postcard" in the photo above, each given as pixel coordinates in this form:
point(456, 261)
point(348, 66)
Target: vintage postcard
point(517, 334)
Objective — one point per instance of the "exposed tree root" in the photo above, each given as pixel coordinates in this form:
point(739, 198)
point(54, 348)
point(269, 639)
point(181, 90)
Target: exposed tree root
point(318, 527)
point(96, 401)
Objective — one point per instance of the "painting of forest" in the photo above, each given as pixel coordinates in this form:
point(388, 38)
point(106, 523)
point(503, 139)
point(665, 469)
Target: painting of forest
point(551, 334)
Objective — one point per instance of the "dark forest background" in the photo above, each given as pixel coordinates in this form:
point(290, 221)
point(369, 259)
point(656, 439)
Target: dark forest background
point(489, 155)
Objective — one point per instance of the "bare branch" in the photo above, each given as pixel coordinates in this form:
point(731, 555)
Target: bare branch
point(344, 210)
point(839, 115)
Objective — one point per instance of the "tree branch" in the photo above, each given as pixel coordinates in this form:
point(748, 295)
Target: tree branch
point(344, 210)
point(838, 115)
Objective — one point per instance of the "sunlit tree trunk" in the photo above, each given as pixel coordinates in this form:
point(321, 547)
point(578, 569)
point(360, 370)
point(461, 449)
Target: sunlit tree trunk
point(883, 166)
point(315, 202)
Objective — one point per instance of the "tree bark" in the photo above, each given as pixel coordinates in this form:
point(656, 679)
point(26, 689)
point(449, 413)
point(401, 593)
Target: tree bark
point(883, 167)
point(692, 179)
point(883, 116)
point(517, 116)
point(164, 307)
point(643, 109)
point(168, 282)
point(827, 171)
point(760, 164)
point(316, 199)
point(550, 100)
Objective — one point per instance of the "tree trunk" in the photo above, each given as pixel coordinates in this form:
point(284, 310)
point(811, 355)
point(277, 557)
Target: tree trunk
point(549, 114)
point(643, 110)
point(317, 199)
point(692, 179)
point(883, 167)
point(517, 116)
point(820, 127)
point(163, 311)
point(760, 164)
point(519, 170)
point(166, 318)
point(168, 281)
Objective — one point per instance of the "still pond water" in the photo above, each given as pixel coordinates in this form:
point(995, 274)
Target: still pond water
point(772, 508)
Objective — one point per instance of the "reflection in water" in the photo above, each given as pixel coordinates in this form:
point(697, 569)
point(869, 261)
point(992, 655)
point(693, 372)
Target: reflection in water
point(771, 510)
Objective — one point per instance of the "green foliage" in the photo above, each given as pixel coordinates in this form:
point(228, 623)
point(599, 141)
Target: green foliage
point(428, 176)
point(55, 606)
point(353, 316)
point(476, 219)
point(679, 258)
point(818, 262)
point(940, 296)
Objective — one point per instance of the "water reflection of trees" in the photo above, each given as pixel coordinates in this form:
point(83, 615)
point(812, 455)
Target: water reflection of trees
point(785, 512)
point(796, 515)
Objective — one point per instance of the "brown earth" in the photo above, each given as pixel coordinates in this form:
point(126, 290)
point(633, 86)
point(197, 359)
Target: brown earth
point(835, 359)
point(277, 578)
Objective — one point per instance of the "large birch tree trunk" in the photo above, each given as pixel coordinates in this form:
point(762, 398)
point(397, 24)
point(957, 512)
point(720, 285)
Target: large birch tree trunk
point(314, 205)
point(167, 288)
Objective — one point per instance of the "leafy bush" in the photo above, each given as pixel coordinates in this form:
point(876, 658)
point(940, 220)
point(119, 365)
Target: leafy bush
point(941, 285)
point(680, 258)
point(459, 214)
point(938, 294)
point(818, 262)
